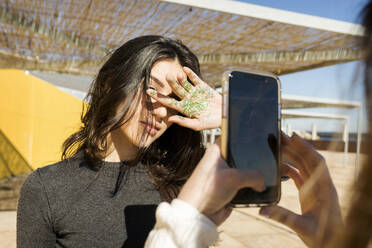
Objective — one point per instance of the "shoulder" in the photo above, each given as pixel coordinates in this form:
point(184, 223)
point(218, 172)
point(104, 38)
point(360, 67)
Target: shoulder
point(58, 182)
point(41, 177)
point(32, 183)
point(60, 170)
point(53, 177)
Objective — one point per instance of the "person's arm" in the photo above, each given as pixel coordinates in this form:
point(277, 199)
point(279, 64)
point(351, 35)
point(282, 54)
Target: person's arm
point(34, 225)
point(191, 219)
point(181, 225)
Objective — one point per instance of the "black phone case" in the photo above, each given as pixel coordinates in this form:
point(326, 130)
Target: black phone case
point(236, 202)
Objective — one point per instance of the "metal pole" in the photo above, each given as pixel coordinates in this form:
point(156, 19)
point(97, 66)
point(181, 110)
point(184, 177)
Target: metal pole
point(345, 138)
point(289, 129)
point(212, 133)
point(205, 137)
point(313, 132)
point(359, 136)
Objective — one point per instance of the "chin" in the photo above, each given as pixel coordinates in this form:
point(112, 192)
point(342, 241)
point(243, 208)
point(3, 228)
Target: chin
point(150, 139)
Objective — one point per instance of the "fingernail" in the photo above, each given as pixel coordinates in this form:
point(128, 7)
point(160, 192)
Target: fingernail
point(151, 92)
point(265, 211)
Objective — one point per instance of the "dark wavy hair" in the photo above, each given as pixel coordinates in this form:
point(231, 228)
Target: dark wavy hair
point(172, 157)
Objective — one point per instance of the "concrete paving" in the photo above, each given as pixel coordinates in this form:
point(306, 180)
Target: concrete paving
point(8, 229)
point(245, 228)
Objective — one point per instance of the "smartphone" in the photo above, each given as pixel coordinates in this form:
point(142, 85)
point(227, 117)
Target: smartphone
point(251, 131)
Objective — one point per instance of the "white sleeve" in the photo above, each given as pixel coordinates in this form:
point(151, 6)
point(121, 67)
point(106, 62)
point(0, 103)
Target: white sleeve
point(181, 225)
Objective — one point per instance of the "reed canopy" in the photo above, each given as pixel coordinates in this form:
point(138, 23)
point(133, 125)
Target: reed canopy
point(75, 36)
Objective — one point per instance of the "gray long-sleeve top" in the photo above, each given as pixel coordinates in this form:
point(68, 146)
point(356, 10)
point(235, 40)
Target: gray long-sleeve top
point(67, 204)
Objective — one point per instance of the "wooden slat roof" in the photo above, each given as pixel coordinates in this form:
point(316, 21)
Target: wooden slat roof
point(75, 36)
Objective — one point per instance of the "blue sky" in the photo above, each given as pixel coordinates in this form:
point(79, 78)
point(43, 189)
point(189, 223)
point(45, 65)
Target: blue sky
point(343, 10)
point(342, 81)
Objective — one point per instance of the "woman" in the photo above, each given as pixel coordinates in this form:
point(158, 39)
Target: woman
point(138, 143)
point(191, 219)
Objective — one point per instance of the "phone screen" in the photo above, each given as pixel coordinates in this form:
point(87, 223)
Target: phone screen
point(253, 130)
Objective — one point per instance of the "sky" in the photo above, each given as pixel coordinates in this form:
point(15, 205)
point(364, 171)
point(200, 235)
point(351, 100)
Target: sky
point(342, 81)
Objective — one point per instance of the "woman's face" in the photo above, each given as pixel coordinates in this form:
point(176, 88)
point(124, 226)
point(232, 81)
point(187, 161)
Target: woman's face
point(139, 123)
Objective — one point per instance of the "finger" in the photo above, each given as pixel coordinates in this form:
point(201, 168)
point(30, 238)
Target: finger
point(285, 139)
point(191, 123)
point(182, 80)
point(320, 180)
point(286, 217)
point(165, 100)
point(314, 162)
point(310, 155)
point(248, 178)
point(296, 158)
point(193, 77)
point(176, 87)
point(215, 149)
point(294, 174)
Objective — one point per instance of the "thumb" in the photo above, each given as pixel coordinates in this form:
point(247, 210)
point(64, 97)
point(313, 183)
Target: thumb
point(249, 178)
point(184, 121)
point(284, 216)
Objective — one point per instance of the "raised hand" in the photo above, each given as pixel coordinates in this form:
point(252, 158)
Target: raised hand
point(199, 104)
point(320, 216)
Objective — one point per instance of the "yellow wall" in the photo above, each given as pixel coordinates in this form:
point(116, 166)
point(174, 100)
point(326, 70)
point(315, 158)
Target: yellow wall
point(36, 116)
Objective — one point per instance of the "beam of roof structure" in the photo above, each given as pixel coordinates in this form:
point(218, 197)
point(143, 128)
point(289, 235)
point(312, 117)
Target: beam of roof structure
point(275, 15)
point(75, 36)
point(339, 54)
point(302, 114)
point(295, 102)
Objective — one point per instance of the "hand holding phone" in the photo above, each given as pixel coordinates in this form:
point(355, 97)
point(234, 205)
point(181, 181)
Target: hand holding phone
point(320, 220)
point(250, 131)
point(213, 184)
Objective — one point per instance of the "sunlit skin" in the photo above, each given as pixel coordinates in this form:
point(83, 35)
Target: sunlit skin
point(178, 96)
point(199, 104)
point(126, 139)
point(193, 105)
